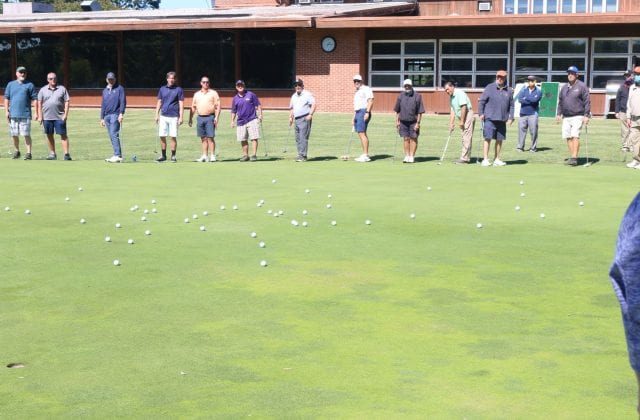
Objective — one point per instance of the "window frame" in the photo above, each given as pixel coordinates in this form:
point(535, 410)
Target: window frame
point(614, 74)
point(558, 9)
point(474, 56)
point(549, 73)
point(402, 57)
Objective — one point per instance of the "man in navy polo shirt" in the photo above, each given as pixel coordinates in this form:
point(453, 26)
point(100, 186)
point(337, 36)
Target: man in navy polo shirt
point(495, 108)
point(114, 103)
point(169, 111)
point(19, 95)
point(529, 98)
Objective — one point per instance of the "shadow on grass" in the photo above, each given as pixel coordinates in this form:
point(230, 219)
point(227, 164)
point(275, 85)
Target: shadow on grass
point(543, 149)
point(517, 162)
point(380, 157)
point(592, 161)
point(426, 158)
point(321, 158)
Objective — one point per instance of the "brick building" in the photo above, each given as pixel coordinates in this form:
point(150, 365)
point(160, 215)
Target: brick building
point(326, 42)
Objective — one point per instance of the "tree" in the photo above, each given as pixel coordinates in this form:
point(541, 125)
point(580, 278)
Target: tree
point(74, 5)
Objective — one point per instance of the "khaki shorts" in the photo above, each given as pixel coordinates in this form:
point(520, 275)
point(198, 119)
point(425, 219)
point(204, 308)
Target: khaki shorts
point(249, 131)
point(571, 127)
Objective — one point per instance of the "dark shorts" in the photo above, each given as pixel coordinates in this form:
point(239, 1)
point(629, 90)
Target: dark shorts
point(205, 127)
point(408, 129)
point(359, 123)
point(57, 126)
point(496, 130)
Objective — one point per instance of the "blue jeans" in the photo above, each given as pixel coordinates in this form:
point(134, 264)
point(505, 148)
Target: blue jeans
point(113, 127)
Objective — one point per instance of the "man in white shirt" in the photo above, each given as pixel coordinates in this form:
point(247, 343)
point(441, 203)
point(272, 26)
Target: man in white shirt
point(301, 109)
point(362, 104)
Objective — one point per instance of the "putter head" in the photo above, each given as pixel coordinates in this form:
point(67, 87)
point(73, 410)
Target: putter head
point(344, 157)
point(586, 165)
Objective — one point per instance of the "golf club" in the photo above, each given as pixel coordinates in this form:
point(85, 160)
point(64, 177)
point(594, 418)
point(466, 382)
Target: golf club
point(284, 149)
point(264, 139)
point(586, 144)
point(481, 143)
point(346, 155)
point(395, 146)
point(446, 145)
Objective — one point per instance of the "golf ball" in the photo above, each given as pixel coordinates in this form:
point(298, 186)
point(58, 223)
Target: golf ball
point(262, 244)
point(136, 207)
point(235, 207)
point(307, 191)
point(186, 220)
point(118, 225)
point(517, 208)
point(329, 196)
point(7, 209)
point(479, 225)
point(305, 224)
point(154, 210)
point(205, 213)
point(522, 194)
point(79, 188)
point(27, 211)
point(67, 199)
point(153, 201)
point(273, 181)
point(116, 262)
point(82, 221)
point(107, 238)
point(276, 214)
point(280, 212)
point(428, 188)
point(367, 222)
point(258, 204)
point(581, 203)
point(412, 215)
point(146, 211)
point(521, 182)
point(195, 216)
point(143, 218)
point(263, 263)
point(147, 232)
point(542, 215)
point(333, 223)
point(294, 222)
point(305, 212)
point(202, 228)
point(222, 207)
point(439, 163)
point(130, 242)
point(328, 206)
point(132, 209)
point(254, 235)
point(269, 211)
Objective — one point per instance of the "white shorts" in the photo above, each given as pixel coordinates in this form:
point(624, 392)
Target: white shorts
point(20, 127)
point(571, 127)
point(249, 131)
point(168, 126)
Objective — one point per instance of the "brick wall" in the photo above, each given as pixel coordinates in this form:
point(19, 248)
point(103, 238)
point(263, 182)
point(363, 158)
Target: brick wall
point(329, 76)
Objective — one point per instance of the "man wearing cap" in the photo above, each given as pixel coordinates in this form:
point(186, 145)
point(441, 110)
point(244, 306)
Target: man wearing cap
point(621, 109)
point(114, 103)
point(574, 109)
point(529, 98)
point(495, 108)
point(246, 114)
point(19, 96)
point(206, 103)
point(53, 111)
point(633, 119)
point(362, 104)
point(460, 105)
point(409, 109)
point(301, 109)
point(169, 110)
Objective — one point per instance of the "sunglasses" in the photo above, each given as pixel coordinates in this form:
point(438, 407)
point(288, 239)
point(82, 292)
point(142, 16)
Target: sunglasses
point(205, 81)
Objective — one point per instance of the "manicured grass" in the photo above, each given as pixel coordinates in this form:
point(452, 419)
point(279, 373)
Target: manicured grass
point(425, 317)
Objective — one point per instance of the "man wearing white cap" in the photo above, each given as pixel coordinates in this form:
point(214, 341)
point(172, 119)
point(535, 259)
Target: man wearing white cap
point(362, 104)
point(409, 109)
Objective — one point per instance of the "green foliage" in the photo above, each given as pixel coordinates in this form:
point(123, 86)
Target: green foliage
point(74, 5)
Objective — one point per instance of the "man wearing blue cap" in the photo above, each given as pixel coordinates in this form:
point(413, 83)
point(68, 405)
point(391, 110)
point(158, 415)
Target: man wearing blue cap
point(574, 109)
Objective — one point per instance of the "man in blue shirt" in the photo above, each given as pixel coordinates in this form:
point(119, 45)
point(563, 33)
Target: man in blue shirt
point(19, 96)
point(529, 98)
point(495, 108)
point(169, 111)
point(114, 103)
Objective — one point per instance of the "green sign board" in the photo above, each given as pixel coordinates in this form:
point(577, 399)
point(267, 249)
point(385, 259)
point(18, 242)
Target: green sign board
point(549, 101)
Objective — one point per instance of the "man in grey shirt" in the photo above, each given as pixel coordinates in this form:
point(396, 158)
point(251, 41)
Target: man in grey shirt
point(53, 110)
point(574, 109)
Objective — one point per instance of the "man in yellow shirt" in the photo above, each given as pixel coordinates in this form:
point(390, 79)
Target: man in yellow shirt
point(206, 103)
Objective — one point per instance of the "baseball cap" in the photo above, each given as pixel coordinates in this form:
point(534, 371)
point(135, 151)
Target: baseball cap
point(532, 78)
point(407, 82)
point(357, 77)
point(298, 82)
point(628, 73)
point(572, 69)
point(21, 69)
point(501, 73)
point(111, 75)
point(239, 82)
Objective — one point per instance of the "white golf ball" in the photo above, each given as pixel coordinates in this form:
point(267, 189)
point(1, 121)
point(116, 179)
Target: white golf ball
point(186, 220)
point(269, 211)
point(262, 244)
point(130, 242)
point(412, 215)
point(222, 207)
point(27, 211)
point(153, 201)
point(82, 221)
point(294, 222)
point(263, 263)
point(143, 218)
point(328, 206)
point(305, 224)
point(542, 215)
point(254, 235)
point(479, 225)
point(581, 203)
point(235, 207)
point(329, 196)
point(136, 207)
point(202, 228)
point(333, 223)
point(367, 222)
point(273, 181)
point(195, 216)
point(107, 238)
point(521, 182)
point(146, 211)
point(116, 262)
point(522, 194)
point(280, 212)
point(118, 225)
point(276, 214)
point(305, 212)
point(428, 188)
point(67, 199)
point(132, 209)
point(154, 210)
point(205, 213)
point(147, 232)
point(7, 208)
point(517, 208)
point(307, 191)
point(258, 204)
point(79, 188)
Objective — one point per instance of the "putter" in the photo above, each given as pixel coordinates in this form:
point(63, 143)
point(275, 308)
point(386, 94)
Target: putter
point(478, 160)
point(395, 147)
point(284, 149)
point(446, 145)
point(346, 155)
point(264, 139)
point(586, 143)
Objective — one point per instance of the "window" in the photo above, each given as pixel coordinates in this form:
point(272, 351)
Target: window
point(92, 56)
point(610, 58)
point(6, 49)
point(268, 58)
point(218, 61)
point(548, 59)
point(516, 6)
point(602, 6)
point(472, 64)
point(393, 61)
point(565, 6)
point(148, 56)
point(40, 54)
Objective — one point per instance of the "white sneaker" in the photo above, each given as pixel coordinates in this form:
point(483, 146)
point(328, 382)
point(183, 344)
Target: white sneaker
point(498, 162)
point(213, 158)
point(486, 162)
point(406, 159)
point(411, 159)
point(634, 164)
point(203, 158)
point(114, 159)
point(363, 158)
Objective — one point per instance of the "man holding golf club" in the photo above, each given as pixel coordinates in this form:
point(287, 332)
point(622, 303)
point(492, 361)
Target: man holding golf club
point(529, 98)
point(246, 116)
point(409, 109)
point(19, 96)
point(462, 110)
point(362, 104)
point(302, 106)
point(114, 103)
point(53, 111)
point(206, 103)
point(574, 108)
point(169, 110)
point(633, 119)
point(495, 108)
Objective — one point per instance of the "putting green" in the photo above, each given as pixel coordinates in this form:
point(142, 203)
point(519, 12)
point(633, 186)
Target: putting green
point(423, 317)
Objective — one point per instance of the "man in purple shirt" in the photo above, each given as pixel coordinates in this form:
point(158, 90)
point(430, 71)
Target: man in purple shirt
point(246, 114)
point(169, 111)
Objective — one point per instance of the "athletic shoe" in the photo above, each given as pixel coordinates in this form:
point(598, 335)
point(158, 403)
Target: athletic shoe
point(244, 158)
point(498, 162)
point(253, 158)
point(406, 159)
point(486, 162)
point(572, 162)
point(411, 159)
point(634, 164)
point(363, 158)
point(461, 162)
point(114, 159)
point(67, 156)
point(533, 150)
point(173, 159)
point(203, 158)
point(212, 158)
point(27, 156)
point(161, 159)
point(625, 149)
point(52, 156)
point(301, 159)
point(16, 154)
point(519, 149)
